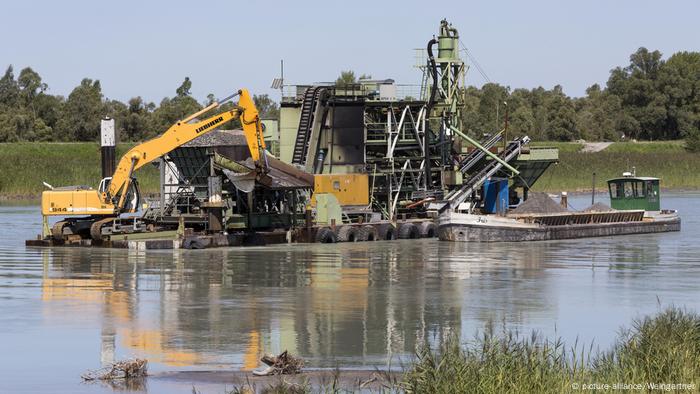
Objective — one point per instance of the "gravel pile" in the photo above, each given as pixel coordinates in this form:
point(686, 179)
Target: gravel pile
point(598, 207)
point(539, 203)
point(218, 138)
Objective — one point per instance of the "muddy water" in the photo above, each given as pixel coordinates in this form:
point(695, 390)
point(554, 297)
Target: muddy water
point(363, 305)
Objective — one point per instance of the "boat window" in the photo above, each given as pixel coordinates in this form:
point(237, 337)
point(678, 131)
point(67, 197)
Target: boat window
point(650, 188)
point(613, 190)
point(619, 191)
point(629, 193)
point(639, 189)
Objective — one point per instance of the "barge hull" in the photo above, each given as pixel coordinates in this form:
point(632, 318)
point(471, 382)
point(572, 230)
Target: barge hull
point(474, 231)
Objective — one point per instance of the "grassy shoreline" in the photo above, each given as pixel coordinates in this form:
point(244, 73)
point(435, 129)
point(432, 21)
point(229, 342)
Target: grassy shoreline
point(25, 165)
point(668, 160)
point(663, 349)
point(657, 353)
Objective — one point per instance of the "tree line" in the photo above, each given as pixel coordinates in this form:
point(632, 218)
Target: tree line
point(29, 113)
point(651, 98)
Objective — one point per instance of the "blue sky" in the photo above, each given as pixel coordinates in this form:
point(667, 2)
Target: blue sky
point(146, 48)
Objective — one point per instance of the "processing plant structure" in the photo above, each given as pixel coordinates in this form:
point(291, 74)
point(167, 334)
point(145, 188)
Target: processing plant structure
point(406, 142)
point(365, 160)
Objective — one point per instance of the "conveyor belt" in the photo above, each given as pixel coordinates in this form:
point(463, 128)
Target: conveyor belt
point(477, 154)
point(457, 196)
point(308, 107)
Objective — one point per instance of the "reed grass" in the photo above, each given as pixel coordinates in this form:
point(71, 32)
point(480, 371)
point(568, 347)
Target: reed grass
point(24, 166)
point(661, 349)
point(669, 161)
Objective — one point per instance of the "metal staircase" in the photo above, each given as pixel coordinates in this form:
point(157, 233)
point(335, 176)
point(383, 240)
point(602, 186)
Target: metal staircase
point(458, 196)
point(308, 107)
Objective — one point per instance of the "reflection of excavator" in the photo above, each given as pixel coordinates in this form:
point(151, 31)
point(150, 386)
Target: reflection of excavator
point(120, 193)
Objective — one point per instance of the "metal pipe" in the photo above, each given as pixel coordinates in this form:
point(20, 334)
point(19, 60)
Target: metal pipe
point(433, 72)
point(476, 144)
point(429, 108)
point(319, 162)
point(209, 107)
point(505, 128)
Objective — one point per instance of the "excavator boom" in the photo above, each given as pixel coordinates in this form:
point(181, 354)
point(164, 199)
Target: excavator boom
point(182, 132)
point(112, 200)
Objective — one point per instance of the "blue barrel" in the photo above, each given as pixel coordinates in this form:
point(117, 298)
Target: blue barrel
point(495, 195)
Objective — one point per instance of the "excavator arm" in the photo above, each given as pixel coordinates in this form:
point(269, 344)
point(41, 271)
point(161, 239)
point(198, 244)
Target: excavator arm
point(182, 132)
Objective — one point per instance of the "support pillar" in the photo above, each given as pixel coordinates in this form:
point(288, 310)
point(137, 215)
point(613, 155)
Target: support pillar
point(108, 147)
point(45, 229)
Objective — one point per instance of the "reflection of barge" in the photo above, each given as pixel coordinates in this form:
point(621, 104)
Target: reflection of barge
point(635, 209)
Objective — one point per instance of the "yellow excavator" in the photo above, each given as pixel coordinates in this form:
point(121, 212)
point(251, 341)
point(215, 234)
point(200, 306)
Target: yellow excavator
point(119, 193)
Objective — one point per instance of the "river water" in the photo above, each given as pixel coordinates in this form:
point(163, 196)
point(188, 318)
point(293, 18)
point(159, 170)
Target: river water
point(364, 305)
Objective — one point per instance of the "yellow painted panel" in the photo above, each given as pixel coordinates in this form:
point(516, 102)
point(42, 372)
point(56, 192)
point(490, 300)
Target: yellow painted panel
point(349, 189)
point(73, 202)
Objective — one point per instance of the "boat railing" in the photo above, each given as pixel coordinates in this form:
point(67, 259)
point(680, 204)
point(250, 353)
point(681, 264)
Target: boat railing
point(568, 218)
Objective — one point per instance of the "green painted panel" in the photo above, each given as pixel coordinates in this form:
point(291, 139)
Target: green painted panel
point(634, 193)
point(289, 124)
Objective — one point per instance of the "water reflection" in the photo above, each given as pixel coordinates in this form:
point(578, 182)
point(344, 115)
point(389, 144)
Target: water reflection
point(363, 304)
point(359, 303)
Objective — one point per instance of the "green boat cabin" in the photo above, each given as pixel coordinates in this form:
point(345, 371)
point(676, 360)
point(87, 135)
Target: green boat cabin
point(634, 192)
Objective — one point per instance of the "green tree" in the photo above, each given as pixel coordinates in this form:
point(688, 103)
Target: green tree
point(9, 124)
point(48, 109)
point(598, 115)
point(138, 120)
point(521, 116)
point(679, 79)
point(9, 89)
point(470, 113)
point(637, 87)
point(346, 78)
point(561, 116)
point(173, 109)
point(81, 114)
point(491, 107)
point(267, 108)
point(184, 89)
point(10, 119)
point(30, 85)
point(22, 105)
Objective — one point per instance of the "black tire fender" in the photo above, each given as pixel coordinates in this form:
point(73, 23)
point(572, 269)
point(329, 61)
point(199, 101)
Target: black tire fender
point(408, 231)
point(325, 235)
point(368, 232)
point(347, 233)
point(428, 230)
point(386, 232)
point(193, 243)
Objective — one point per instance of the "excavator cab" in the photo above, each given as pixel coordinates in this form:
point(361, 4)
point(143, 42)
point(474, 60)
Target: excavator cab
point(132, 202)
point(104, 185)
point(133, 197)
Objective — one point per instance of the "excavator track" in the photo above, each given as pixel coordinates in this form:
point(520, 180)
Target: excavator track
point(96, 228)
point(57, 230)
